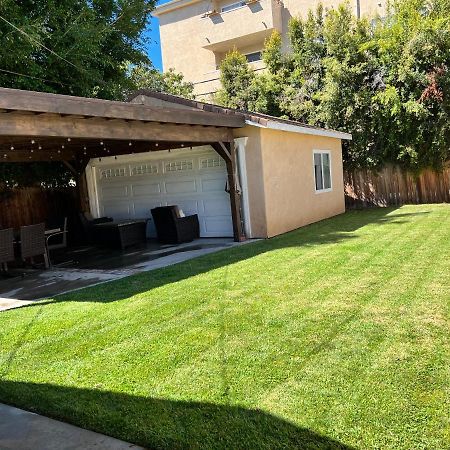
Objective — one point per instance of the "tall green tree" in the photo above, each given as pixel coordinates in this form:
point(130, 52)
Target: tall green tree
point(386, 81)
point(237, 79)
point(78, 47)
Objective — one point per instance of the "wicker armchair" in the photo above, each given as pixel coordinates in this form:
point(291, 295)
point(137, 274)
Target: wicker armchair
point(33, 243)
point(173, 229)
point(6, 248)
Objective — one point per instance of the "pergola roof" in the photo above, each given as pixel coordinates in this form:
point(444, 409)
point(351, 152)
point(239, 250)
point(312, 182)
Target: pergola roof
point(37, 126)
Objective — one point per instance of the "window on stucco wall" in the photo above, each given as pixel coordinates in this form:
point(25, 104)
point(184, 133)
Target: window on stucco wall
point(322, 170)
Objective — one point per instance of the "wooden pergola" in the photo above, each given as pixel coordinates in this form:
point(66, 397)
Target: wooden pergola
point(36, 126)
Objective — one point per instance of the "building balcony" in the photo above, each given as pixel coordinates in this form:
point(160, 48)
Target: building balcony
point(249, 22)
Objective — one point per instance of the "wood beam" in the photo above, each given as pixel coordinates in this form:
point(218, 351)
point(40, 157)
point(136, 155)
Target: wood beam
point(15, 99)
point(56, 126)
point(228, 152)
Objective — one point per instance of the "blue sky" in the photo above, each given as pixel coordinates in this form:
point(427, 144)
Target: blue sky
point(153, 46)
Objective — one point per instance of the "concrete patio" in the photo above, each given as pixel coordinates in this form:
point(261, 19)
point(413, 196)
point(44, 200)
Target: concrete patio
point(87, 266)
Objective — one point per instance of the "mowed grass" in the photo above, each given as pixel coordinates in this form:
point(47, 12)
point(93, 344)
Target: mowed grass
point(333, 336)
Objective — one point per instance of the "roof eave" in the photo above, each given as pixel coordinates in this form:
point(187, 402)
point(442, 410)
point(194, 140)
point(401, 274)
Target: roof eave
point(170, 6)
point(301, 129)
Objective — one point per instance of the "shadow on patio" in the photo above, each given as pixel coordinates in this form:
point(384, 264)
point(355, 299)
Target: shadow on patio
point(162, 423)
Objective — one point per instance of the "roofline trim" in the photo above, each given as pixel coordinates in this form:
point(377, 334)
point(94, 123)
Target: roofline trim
point(172, 5)
point(301, 129)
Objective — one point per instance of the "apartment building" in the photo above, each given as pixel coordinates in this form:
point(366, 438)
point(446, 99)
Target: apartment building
point(196, 34)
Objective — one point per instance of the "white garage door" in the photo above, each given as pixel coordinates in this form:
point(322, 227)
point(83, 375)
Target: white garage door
point(131, 186)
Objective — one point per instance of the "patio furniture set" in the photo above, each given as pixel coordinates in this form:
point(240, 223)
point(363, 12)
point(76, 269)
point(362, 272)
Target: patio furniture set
point(31, 241)
point(172, 227)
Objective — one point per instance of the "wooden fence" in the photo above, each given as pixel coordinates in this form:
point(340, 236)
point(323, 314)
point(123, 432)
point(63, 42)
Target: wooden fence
point(393, 186)
point(33, 205)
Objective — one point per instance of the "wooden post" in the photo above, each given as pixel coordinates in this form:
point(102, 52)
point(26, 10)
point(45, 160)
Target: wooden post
point(228, 152)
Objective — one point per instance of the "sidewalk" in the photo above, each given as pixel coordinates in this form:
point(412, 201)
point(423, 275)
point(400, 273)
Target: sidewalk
point(22, 430)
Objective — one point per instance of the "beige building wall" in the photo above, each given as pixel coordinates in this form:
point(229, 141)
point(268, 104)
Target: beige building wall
point(281, 184)
point(194, 43)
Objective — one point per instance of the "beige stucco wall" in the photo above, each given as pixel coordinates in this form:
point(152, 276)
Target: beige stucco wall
point(290, 197)
point(281, 180)
point(194, 45)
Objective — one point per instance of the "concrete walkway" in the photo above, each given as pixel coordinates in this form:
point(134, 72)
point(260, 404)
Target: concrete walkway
point(22, 430)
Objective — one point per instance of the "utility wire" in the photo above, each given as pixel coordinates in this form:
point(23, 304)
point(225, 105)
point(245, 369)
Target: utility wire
point(35, 78)
point(101, 82)
point(39, 43)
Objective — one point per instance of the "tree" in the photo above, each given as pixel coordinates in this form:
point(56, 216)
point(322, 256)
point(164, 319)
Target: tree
point(72, 47)
point(236, 77)
point(385, 81)
point(145, 76)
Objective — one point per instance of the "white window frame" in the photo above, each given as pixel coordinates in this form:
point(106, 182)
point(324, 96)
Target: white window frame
point(233, 6)
point(322, 152)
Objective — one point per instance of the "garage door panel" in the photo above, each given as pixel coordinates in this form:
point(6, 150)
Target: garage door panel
point(216, 206)
point(146, 189)
point(142, 208)
point(213, 184)
point(116, 191)
point(180, 187)
point(214, 225)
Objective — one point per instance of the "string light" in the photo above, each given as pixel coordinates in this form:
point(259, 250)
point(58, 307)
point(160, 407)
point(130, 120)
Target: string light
point(101, 142)
point(32, 141)
point(156, 145)
point(12, 147)
point(130, 144)
point(40, 147)
point(68, 139)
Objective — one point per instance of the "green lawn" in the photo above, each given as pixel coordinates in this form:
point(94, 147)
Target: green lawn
point(332, 336)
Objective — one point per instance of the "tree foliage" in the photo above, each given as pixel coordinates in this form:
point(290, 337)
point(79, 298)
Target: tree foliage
point(386, 81)
point(145, 76)
point(72, 47)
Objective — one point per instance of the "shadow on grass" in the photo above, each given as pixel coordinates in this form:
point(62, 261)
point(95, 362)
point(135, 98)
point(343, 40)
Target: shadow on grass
point(163, 424)
point(334, 230)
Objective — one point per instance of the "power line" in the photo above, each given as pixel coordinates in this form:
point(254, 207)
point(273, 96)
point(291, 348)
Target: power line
point(39, 43)
point(101, 82)
point(35, 78)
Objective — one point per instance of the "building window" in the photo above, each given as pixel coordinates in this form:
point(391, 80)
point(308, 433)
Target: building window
point(232, 6)
point(253, 57)
point(322, 170)
point(179, 166)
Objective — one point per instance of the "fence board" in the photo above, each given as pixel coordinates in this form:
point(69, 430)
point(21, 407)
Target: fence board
point(26, 206)
point(393, 186)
